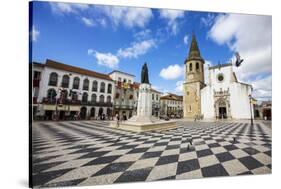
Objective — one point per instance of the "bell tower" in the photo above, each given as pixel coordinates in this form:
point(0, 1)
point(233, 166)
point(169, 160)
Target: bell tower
point(194, 81)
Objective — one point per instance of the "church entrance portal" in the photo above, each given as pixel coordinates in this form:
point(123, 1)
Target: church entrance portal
point(222, 112)
point(222, 109)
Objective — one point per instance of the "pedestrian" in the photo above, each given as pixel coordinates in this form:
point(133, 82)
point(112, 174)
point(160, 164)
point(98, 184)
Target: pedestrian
point(117, 120)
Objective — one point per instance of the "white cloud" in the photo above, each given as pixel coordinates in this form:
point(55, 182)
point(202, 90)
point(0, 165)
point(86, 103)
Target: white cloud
point(262, 88)
point(171, 14)
point(144, 34)
point(206, 71)
point(250, 35)
point(88, 21)
point(34, 34)
point(110, 60)
point(208, 20)
point(185, 39)
point(172, 72)
point(179, 87)
point(136, 49)
point(102, 22)
point(263, 83)
point(158, 88)
point(105, 59)
point(91, 51)
point(127, 16)
point(172, 17)
point(67, 8)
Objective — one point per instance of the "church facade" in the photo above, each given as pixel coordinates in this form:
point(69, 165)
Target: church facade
point(222, 97)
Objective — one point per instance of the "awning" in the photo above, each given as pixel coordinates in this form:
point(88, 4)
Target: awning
point(49, 107)
point(61, 107)
point(74, 108)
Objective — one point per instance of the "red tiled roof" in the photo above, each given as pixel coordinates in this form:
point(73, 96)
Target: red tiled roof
point(153, 90)
point(65, 67)
point(120, 72)
point(38, 64)
point(171, 96)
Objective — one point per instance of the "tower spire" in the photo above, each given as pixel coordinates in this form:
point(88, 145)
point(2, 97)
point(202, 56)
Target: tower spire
point(194, 52)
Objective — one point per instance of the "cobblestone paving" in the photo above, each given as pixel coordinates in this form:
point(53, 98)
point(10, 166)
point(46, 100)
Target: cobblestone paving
point(91, 153)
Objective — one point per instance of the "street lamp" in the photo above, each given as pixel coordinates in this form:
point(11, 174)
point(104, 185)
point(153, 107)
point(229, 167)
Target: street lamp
point(250, 99)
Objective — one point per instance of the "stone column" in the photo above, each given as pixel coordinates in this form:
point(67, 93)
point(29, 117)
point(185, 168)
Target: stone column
point(144, 107)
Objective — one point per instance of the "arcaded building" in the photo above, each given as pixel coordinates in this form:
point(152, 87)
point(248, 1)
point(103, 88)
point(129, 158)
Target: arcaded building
point(61, 91)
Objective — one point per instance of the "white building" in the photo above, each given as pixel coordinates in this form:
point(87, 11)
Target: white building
point(67, 91)
point(124, 95)
point(155, 95)
point(224, 96)
point(171, 105)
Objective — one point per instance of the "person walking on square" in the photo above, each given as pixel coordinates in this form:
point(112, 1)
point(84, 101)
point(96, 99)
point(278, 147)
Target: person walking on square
point(117, 119)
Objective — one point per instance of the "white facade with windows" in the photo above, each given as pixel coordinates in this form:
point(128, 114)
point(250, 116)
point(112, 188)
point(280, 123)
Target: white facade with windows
point(155, 95)
point(123, 77)
point(171, 105)
point(124, 94)
point(81, 92)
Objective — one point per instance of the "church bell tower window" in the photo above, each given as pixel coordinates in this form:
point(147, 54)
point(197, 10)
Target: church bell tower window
point(197, 66)
point(190, 67)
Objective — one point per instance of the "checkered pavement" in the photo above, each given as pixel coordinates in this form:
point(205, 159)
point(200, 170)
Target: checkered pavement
point(91, 153)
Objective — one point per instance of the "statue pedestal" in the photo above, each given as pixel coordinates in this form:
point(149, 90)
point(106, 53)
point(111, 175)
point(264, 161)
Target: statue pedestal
point(144, 121)
point(144, 108)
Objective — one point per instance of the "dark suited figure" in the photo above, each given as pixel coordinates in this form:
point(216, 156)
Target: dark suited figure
point(144, 74)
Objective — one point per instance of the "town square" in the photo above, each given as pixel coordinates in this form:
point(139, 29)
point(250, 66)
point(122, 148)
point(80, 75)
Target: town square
point(152, 109)
point(92, 153)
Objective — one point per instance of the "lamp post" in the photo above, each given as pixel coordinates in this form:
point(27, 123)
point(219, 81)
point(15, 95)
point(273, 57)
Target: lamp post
point(250, 99)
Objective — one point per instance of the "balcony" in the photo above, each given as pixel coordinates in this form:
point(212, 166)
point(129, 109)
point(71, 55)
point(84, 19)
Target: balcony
point(60, 101)
point(49, 100)
point(124, 106)
point(75, 102)
point(122, 85)
point(106, 104)
point(92, 103)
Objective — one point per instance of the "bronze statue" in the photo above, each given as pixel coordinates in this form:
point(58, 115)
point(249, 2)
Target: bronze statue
point(144, 74)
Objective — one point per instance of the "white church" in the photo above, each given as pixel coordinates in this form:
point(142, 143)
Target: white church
point(222, 97)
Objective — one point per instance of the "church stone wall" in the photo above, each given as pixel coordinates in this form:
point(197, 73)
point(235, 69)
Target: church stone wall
point(227, 74)
point(207, 103)
point(239, 99)
point(235, 94)
point(191, 99)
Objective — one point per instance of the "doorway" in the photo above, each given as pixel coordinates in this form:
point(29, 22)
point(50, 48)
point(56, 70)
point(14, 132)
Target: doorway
point(100, 112)
point(222, 109)
point(93, 112)
point(222, 113)
point(83, 113)
point(61, 115)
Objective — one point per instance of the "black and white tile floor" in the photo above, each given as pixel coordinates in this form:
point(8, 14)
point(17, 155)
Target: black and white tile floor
point(91, 153)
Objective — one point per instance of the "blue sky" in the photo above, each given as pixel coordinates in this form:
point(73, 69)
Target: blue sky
point(104, 38)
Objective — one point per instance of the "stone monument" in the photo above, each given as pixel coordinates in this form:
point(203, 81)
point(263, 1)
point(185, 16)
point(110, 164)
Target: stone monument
point(144, 107)
point(144, 121)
